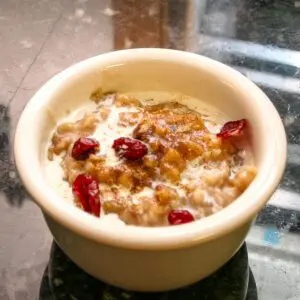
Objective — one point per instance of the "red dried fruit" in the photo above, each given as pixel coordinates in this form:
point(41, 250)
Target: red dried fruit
point(180, 216)
point(86, 189)
point(131, 149)
point(232, 128)
point(83, 147)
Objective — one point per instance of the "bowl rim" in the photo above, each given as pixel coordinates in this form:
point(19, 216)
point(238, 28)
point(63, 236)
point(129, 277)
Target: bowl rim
point(237, 214)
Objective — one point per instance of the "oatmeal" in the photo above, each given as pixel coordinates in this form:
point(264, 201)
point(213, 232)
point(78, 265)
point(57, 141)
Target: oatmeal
point(151, 165)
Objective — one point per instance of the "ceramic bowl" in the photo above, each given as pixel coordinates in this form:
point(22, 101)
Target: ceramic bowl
point(139, 258)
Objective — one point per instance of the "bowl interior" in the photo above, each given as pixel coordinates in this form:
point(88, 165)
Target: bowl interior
point(145, 70)
point(153, 75)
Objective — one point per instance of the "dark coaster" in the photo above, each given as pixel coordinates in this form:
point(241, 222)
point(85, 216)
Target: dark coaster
point(64, 280)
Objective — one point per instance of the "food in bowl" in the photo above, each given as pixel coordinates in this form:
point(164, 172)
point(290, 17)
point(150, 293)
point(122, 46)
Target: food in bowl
point(152, 164)
point(169, 257)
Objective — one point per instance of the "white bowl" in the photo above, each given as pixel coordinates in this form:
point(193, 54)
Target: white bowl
point(138, 258)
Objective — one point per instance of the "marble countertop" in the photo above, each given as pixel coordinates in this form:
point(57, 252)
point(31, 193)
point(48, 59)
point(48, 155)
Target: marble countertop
point(260, 38)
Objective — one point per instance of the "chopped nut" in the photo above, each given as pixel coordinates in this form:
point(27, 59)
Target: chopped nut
point(123, 100)
point(114, 206)
point(170, 172)
point(190, 149)
point(150, 161)
point(97, 95)
point(244, 177)
point(66, 127)
point(125, 179)
point(197, 197)
point(172, 156)
point(104, 112)
point(106, 174)
point(165, 194)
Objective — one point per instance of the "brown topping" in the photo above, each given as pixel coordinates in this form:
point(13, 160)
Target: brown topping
point(150, 161)
point(128, 118)
point(166, 137)
point(123, 100)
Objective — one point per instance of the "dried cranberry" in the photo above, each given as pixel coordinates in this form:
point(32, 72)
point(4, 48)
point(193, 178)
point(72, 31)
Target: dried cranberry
point(130, 148)
point(83, 147)
point(232, 128)
point(180, 216)
point(86, 189)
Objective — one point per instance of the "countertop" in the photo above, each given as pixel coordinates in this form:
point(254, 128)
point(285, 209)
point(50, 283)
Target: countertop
point(259, 38)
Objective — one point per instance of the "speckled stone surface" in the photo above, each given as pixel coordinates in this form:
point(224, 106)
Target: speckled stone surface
point(260, 38)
